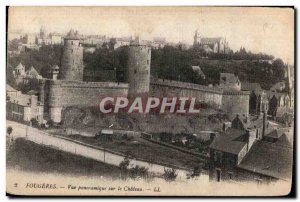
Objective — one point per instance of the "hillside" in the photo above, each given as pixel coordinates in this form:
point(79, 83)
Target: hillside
point(208, 119)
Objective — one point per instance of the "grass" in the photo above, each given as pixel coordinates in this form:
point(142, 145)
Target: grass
point(143, 149)
point(33, 157)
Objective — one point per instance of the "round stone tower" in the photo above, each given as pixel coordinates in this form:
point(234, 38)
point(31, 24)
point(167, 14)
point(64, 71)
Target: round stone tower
point(72, 58)
point(139, 58)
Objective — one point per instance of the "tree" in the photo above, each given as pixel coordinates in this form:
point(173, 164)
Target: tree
point(9, 130)
point(170, 174)
point(195, 172)
point(138, 171)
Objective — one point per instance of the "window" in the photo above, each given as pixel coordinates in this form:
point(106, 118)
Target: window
point(147, 62)
point(135, 71)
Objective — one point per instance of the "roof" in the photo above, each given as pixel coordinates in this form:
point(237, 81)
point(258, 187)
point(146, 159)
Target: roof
point(20, 66)
point(230, 78)
point(251, 87)
point(108, 132)
point(32, 72)
point(211, 40)
point(32, 92)
point(283, 136)
point(10, 89)
point(232, 141)
point(269, 159)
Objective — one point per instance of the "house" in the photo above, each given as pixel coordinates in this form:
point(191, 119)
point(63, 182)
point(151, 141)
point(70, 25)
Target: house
point(32, 74)
point(268, 161)
point(11, 93)
point(254, 150)
point(20, 70)
point(24, 108)
point(229, 81)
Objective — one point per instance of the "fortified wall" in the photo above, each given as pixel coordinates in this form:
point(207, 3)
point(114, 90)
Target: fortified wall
point(70, 90)
point(168, 88)
point(62, 93)
point(236, 102)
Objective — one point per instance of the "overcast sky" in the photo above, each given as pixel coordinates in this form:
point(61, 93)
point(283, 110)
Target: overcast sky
point(268, 30)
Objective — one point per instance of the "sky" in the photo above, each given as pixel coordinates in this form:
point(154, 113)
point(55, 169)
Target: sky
point(267, 30)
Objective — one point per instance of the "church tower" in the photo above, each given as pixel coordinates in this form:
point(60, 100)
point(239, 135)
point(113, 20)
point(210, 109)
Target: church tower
point(139, 59)
point(72, 58)
point(197, 38)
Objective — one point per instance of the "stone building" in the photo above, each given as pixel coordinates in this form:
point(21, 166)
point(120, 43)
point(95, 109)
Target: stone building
point(210, 44)
point(252, 151)
point(69, 89)
point(23, 107)
point(72, 58)
point(229, 81)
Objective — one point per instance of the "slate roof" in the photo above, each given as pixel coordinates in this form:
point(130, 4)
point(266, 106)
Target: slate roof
point(269, 159)
point(232, 141)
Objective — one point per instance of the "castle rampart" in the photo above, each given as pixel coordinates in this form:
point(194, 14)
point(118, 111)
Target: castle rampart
point(236, 102)
point(168, 88)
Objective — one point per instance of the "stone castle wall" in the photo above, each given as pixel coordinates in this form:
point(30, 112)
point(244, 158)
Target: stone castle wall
point(167, 88)
point(62, 94)
point(78, 93)
point(235, 103)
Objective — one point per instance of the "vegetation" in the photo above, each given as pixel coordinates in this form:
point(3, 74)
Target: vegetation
point(9, 130)
point(23, 154)
point(170, 62)
point(170, 175)
point(134, 172)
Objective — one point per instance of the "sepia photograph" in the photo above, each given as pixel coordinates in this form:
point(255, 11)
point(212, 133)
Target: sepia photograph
point(150, 101)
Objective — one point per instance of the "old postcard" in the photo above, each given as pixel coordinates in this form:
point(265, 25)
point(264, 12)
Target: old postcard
point(151, 101)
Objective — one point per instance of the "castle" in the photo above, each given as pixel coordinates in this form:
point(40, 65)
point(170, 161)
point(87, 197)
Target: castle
point(67, 88)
